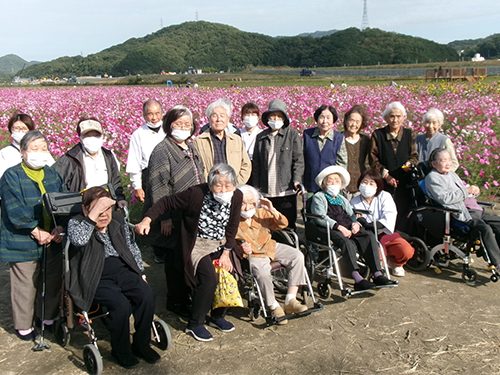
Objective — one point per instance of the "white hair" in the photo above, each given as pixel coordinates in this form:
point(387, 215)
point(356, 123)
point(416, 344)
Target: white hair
point(390, 107)
point(434, 113)
point(222, 103)
point(247, 189)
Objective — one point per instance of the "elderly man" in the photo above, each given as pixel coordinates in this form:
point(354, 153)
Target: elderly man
point(142, 143)
point(219, 146)
point(90, 164)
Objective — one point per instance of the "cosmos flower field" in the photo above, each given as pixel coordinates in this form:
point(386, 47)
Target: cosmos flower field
point(472, 113)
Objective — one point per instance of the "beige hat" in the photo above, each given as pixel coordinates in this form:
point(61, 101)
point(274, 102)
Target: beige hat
point(346, 178)
point(89, 125)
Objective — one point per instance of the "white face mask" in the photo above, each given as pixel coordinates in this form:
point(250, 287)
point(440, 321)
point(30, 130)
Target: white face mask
point(154, 126)
point(275, 124)
point(367, 191)
point(17, 136)
point(248, 214)
point(37, 160)
point(92, 144)
point(250, 121)
point(223, 198)
point(333, 190)
point(180, 135)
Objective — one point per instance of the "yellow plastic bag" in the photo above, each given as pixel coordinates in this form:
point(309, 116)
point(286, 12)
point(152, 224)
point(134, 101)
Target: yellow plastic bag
point(226, 293)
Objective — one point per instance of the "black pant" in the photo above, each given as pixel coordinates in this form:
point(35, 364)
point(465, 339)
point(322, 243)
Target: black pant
point(124, 292)
point(488, 236)
point(204, 291)
point(288, 207)
point(364, 241)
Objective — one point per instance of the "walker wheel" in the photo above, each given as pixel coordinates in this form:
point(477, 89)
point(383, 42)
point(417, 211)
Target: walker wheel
point(469, 277)
point(164, 340)
point(324, 290)
point(92, 359)
point(494, 278)
point(61, 332)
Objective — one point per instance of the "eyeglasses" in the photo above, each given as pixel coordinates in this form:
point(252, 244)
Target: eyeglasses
point(23, 129)
point(181, 126)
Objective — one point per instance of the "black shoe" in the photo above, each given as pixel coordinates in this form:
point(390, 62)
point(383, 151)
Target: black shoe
point(384, 281)
point(180, 310)
point(364, 285)
point(147, 353)
point(32, 336)
point(126, 360)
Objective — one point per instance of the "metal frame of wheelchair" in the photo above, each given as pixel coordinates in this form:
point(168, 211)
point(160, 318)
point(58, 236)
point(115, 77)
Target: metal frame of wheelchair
point(255, 300)
point(69, 204)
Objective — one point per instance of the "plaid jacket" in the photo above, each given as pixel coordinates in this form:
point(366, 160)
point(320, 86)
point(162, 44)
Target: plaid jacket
point(22, 206)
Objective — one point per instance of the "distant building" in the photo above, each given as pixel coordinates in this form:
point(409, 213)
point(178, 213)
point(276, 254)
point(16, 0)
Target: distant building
point(478, 57)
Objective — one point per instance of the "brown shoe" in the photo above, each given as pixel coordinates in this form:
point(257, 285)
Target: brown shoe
point(278, 313)
point(295, 307)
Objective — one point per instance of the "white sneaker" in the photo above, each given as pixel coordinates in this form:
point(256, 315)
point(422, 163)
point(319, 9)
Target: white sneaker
point(398, 271)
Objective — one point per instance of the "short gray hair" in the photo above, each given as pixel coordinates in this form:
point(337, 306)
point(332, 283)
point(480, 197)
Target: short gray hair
point(434, 113)
point(146, 105)
point(222, 103)
point(390, 107)
point(221, 170)
point(29, 137)
point(247, 189)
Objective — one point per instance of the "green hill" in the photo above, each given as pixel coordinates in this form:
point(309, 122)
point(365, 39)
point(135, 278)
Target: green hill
point(214, 47)
point(11, 64)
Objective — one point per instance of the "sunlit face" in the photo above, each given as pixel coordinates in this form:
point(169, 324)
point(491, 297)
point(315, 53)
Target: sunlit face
point(353, 123)
point(277, 116)
point(91, 133)
point(249, 112)
point(38, 145)
point(183, 123)
point(395, 119)
point(443, 164)
point(222, 185)
point(249, 202)
point(218, 120)
point(369, 181)
point(153, 113)
point(432, 126)
point(104, 218)
point(325, 121)
point(333, 179)
point(19, 126)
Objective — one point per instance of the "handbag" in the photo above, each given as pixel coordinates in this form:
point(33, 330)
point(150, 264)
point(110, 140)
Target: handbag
point(63, 203)
point(226, 293)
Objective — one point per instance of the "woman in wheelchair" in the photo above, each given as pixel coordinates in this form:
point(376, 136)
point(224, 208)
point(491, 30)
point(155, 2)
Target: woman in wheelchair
point(445, 187)
point(375, 199)
point(106, 267)
point(345, 230)
point(258, 216)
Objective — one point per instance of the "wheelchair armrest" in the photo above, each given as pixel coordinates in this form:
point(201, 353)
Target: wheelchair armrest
point(362, 212)
point(486, 204)
point(294, 235)
point(313, 216)
point(433, 208)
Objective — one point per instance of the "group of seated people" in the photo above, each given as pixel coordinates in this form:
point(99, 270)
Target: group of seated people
point(198, 207)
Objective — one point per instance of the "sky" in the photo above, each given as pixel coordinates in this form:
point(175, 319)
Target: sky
point(44, 30)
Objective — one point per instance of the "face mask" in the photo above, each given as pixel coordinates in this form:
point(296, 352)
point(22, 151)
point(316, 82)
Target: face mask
point(333, 190)
point(223, 198)
point(92, 144)
point(367, 191)
point(250, 121)
point(154, 126)
point(17, 136)
point(36, 160)
point(180, 135)
point(248, 214)
point(275, 124)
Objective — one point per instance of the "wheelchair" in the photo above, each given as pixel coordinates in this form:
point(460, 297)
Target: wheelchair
point(448, 239)
point(67, 205)
point(250, 287)
point(322, 257)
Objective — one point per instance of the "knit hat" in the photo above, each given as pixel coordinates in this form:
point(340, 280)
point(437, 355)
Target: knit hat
point(276, 105)
point(346, 178)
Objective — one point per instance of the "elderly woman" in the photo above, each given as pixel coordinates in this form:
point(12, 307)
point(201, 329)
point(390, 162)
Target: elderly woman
point(345, 230)
point(89, 163)
point(446, 188)
point(250, 116)
point(357, 145)
point(258, 217)
point(173, 167)
point(433, 121)
point(26, 228)
point(323, 146)
point(380, 203)
point(219, 146)
point(278, 163)
point(393, 151)
point(18, 126)
point(211, 214)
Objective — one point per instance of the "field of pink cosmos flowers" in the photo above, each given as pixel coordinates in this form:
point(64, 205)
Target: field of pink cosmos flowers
point(472, 113)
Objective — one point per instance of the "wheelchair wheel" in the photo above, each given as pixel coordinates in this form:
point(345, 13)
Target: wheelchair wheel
point(308, 260)
point(61, 332)
point(92, 359)
point(494, 278)
point(324, 290)
point(469, 276)
point(422, 257)
point(164, 340)
point(254, 310)
point(280, 280)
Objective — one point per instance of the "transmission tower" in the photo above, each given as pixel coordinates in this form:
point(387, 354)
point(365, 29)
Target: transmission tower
point(196, 16)
point(364, 22)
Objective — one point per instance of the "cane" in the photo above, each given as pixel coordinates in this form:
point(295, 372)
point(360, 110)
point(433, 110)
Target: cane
point(42, 345)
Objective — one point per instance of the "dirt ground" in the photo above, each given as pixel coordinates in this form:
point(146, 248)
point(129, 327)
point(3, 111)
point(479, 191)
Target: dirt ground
point(431, 324)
